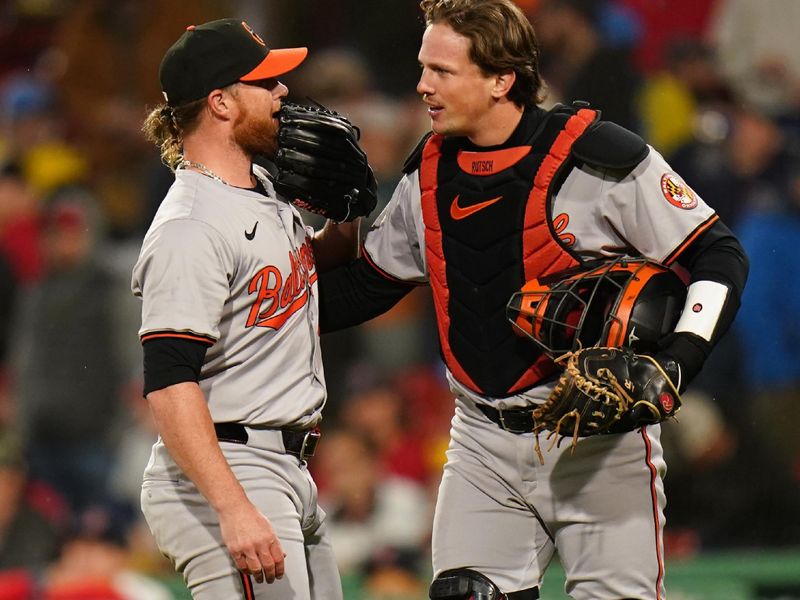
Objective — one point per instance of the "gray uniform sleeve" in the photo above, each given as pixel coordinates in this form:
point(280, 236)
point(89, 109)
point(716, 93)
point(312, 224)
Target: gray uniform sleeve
point(183, 276)
point(651, 210)
point(396, 240)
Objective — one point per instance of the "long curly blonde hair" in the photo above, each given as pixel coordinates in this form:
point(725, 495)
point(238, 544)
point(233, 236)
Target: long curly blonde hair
point(166, 125)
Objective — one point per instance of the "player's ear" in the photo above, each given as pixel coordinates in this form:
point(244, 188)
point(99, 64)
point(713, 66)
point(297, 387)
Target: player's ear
point(503, 82)
point(220, 103)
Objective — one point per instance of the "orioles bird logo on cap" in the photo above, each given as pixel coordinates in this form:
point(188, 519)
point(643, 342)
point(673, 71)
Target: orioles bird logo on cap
point(252, 33)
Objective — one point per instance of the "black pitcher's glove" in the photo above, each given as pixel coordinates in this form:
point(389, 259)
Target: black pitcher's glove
point(606, 390)
point(320, 166)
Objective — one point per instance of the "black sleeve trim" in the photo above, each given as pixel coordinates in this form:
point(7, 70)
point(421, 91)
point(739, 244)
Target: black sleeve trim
point(355, 293)
point(171, 360)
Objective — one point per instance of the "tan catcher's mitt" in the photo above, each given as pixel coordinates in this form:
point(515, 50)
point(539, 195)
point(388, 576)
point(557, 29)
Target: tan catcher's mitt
point(606, 390)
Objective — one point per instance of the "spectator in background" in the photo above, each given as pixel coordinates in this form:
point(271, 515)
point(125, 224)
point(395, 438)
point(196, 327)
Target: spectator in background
point(675, 98)
point(134, 444)
point(93, 563)
point(29, 539)
point(66, 373)
point(110, 51)
point(379, 413)
point(27, 27)
point(8, 295)
point(769, 321)
point(660, 22)
point(371, 513)
point(25, 102)
point(759, 52)
point(736, 157)
point(35, 132)
point(19, 225)
point(394, 575)
point(578, 64)
point(713, 457)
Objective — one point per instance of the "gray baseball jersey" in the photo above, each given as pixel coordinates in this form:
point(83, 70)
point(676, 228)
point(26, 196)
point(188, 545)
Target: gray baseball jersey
point(501, 512)
point(235, 269)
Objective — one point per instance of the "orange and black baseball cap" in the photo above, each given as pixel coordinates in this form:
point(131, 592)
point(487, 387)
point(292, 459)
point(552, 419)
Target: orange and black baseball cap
point(216, 54)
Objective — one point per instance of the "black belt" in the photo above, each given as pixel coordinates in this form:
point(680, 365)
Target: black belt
point(514, 420)
point(301, 443)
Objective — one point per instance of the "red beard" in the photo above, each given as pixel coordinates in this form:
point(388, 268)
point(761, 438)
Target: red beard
point(256, 134)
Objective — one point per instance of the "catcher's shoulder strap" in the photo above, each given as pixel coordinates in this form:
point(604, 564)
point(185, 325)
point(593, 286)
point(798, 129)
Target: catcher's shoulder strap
point(610, 146)
point(415, 157)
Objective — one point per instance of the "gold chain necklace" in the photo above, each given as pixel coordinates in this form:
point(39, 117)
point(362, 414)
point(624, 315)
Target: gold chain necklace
point(186, 163)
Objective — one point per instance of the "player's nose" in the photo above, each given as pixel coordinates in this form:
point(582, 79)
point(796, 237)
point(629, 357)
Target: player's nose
point(280, 91)
point(423, 87)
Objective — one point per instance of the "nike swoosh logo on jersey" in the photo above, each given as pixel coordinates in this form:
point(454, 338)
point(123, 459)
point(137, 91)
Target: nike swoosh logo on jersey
point(251, 234)
point(462, 212)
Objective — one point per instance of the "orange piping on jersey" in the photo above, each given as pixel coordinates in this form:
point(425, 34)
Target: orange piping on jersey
point(184, 336)
point(436, 264)
point(381, 272)
point(699, 230)
point(654, 497)
point(536, 211)
point(489, 163)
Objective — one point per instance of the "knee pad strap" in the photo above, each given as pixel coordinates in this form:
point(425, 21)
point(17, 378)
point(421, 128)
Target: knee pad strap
point(467, 584)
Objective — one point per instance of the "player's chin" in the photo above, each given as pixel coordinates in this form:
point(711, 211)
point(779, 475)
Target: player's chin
point(442, 127)
point(267, 151)
point(258, 140)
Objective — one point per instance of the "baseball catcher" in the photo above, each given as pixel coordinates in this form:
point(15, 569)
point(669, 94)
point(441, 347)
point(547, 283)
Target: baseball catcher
point(320, 166)
point(603, 326)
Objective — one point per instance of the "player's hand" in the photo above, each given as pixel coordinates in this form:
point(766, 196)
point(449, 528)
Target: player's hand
point(253, 545)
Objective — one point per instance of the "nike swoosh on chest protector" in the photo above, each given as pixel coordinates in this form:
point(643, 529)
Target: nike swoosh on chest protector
point(462, 212)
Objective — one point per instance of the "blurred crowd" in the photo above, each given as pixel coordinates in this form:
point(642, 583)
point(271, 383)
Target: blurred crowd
point(714, 85)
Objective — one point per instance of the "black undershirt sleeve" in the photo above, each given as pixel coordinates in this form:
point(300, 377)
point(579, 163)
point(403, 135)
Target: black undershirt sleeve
point(355, 293)
point(715, 256)
point(171, 360)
